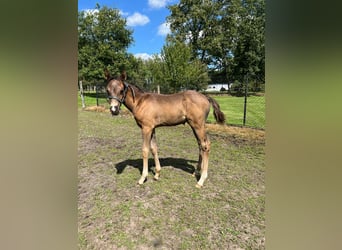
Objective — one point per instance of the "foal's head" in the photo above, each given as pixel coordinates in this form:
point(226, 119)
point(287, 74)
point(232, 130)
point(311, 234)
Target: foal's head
point(116, 91)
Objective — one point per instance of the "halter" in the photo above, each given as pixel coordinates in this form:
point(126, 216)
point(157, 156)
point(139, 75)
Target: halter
point(123, 96)
point(122, 100)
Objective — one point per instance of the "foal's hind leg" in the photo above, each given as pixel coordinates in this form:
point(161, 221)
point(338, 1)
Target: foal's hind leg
point(204, 145)
point(199, 163)
point(154, 149)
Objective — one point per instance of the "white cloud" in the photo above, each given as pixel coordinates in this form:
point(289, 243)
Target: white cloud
point(137, 19)
point(157, 4)
point(143, 56)
point(122, 13)
point(164, 29)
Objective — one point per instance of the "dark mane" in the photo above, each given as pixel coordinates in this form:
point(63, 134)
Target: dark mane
point(112, 78)
point(136, 86)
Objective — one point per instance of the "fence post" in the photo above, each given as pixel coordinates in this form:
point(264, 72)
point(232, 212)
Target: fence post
point(97, 95)
point(81, 94)
point(245, 103)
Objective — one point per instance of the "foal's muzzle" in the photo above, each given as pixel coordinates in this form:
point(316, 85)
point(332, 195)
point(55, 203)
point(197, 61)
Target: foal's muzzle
point(114, 109)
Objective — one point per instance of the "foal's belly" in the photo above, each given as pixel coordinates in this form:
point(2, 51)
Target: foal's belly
point(169, 118)
point(157, 114)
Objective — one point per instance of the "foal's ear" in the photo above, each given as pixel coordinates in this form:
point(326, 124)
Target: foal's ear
point(107, 74)
point(123, 76)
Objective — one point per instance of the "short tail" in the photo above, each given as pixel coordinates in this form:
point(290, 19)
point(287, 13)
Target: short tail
point(218, 114)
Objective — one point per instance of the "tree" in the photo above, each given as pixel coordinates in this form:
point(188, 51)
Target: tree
point(179, 70)
point(227, 35)
point(154, 74)
point(194, 22)
point(102, 43)
point(249, 52)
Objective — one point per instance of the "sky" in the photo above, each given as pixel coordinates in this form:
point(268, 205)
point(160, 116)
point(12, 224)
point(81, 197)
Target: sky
point(147, 19)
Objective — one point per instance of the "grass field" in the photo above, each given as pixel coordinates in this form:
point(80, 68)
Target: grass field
point(232, 107)
point(115, 213)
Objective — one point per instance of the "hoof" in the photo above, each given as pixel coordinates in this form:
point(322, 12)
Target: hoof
point(141, 181)
point(156, 178)
point(198, 185)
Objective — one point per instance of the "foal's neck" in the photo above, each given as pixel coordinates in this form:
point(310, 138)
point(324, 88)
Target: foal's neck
point(130, 101)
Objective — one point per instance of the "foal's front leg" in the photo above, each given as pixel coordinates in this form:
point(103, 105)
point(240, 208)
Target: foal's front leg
point(146, 135)
point(154, 149)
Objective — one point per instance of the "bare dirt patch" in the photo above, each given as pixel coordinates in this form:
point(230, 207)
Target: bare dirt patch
point(97, 109)
point(238, 135)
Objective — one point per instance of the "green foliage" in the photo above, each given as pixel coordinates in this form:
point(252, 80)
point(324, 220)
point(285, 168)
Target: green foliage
point(102, 42)
point(249, 52)
point(179, 70)
point(218, 40)
point(154, 74)
point(227, 35)
point(175, 69)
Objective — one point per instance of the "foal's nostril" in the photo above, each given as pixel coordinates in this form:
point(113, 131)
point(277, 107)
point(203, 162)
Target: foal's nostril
point(114, 110)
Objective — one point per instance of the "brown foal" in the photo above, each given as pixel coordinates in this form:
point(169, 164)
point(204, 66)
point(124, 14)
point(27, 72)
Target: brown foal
point(152, 110)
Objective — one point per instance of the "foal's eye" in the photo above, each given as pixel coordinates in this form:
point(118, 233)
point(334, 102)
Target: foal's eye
point(121, 92)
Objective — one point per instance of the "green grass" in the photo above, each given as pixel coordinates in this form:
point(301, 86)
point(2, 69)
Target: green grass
point(231, 106)
point(90, 99)
point(116, 213)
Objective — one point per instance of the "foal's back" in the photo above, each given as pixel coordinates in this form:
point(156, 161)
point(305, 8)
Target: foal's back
point(166, 110)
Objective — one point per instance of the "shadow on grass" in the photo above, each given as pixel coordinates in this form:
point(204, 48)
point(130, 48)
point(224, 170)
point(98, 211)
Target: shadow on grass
point(179, 163)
